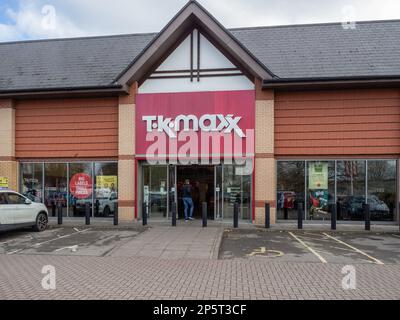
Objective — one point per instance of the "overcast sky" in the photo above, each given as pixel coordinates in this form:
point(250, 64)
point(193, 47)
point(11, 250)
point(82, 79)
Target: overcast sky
point(38, 19)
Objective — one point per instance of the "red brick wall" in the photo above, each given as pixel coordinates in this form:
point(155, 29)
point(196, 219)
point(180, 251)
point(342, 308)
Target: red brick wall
point(341, 122)
point(65, 128)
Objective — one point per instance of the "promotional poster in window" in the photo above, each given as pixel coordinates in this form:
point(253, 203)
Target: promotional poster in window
point(318, 189)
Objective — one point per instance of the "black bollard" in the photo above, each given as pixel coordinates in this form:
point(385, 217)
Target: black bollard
point(367, 215)
point(144, 214)
point(87, 213)
point(173, 212)
point(60, 213)
point(333, 216)
point(116, 214)
point(53, 209)
point(285, 213)
point(204, 214)
point(300, 216)
point(236, 215)
point(267, 216)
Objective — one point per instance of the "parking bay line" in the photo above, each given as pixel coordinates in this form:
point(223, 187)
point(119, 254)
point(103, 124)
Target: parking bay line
point(309, 248)
point(395, 235)
point(15, 251)
point(62, 237)
point(355, 249)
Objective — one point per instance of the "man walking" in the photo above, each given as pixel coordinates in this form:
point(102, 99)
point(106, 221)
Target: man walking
point(187, 200)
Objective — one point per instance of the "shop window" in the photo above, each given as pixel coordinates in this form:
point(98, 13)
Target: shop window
point(80, 188)
point(320, 189)
point(32, 181)
point(290, 188)
point(355, 182)
point(382, 190)
point(351, 190)
point(55, 187)
point(73, 185)
point(106, 189)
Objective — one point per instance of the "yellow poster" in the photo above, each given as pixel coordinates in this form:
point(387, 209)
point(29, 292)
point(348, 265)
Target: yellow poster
point(107, 182)
point(3, 183)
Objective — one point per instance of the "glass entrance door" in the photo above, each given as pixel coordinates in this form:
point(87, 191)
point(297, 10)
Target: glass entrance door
point(236, 189)
point(172, 187)
point(219, 186)
point(218, 193)
point(155, 191)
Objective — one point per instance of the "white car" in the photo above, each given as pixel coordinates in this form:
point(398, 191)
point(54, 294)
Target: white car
point(17, 211)
point(107, 204)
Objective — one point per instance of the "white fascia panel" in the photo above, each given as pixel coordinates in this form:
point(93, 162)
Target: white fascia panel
point(205, 84)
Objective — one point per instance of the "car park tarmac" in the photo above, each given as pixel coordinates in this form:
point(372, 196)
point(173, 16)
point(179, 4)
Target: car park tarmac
point(311, 246)
point(65, 241)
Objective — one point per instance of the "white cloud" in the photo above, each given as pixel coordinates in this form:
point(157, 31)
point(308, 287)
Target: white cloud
point(8, 33)
point(100, 17)
point(28, 22)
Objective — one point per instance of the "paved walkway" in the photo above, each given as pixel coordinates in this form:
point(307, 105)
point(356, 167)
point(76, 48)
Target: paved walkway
point(152, 278)
point(173, 243)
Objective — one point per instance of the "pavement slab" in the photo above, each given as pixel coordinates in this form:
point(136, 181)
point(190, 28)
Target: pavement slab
point(173, 243)
point(85, 277)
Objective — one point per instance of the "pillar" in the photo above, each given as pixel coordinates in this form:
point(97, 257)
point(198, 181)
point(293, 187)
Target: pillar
point(8, 163)
point(265, 164)
point(126, 156)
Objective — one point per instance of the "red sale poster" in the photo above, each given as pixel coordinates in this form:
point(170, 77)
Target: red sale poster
point(81, 186)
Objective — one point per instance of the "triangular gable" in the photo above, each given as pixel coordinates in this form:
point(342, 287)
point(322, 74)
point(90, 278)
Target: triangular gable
point(196, 65)
point(192, 16)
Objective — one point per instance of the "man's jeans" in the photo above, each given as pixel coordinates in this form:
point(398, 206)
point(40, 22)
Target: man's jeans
point(188, 202)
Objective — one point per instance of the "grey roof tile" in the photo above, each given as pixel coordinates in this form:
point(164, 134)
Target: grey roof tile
point(298, 51)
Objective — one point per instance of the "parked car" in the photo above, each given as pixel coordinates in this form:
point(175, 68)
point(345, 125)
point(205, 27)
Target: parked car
point(106, 205)
point(352, 208)
point(17, 211)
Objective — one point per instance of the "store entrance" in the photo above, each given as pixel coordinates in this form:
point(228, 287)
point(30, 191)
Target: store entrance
point(220, 186)
point(202, 182)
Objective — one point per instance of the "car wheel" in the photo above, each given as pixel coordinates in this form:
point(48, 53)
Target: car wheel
point(106, 211)
point(41, 222)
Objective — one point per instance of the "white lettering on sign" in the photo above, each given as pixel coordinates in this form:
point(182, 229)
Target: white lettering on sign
point(206, 123)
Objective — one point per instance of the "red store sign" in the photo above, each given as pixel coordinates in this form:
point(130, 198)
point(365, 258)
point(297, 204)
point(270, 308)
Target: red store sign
point(173, 119)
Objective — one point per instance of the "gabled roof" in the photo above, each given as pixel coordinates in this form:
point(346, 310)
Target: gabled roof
point(191, 16)
point(297, 52)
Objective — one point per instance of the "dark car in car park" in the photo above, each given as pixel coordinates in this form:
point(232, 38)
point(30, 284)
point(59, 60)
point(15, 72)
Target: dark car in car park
point(351, 208)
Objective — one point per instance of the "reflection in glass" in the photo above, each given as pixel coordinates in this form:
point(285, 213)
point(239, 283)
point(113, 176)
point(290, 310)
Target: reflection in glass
point(155, 190)
point(32, 181)
point(290, 188)
point(218, 192)
point(237, 189)
point(55, 187)
point(350, 189)
point(382, 190)
point(106, 189)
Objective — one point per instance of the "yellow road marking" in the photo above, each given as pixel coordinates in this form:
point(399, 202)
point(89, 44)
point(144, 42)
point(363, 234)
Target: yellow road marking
point(264, 251)
point(309, 248)
point(355, 249)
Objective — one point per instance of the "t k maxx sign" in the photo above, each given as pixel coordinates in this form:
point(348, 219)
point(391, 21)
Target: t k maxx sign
point(195, 124)
point(206, 123)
